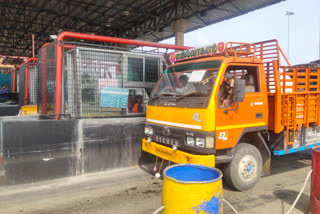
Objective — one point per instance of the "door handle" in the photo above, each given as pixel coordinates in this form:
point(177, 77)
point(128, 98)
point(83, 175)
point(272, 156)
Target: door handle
point(259, 115)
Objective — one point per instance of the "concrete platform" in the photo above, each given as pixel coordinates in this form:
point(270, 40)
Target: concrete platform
point(134, 191)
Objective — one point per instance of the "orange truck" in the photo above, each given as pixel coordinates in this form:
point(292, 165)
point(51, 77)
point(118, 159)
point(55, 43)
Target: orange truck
point(233, 105)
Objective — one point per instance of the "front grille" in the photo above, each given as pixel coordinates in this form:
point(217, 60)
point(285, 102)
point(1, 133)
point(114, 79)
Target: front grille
point(166, 140)
point(174, 138)
point(177, 137)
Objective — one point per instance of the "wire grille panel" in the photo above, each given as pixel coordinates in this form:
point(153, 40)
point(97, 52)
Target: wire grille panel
point(21, 84)
point(33, 89)
point(102, 81)
point(99, 81)
point(47, 79)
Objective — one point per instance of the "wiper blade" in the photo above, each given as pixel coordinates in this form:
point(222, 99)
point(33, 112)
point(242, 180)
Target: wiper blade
point(163, 94)
point(188, 94)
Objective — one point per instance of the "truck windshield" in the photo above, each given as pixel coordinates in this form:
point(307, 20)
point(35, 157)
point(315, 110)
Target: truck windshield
point(186, 85)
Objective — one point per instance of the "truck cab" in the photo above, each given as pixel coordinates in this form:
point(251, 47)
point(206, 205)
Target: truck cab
point(211, 107)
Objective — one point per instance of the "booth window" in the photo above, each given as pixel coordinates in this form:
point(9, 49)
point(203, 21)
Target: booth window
point(143, 69)
point(135, 69)
point(151, 70)
point(136, 101)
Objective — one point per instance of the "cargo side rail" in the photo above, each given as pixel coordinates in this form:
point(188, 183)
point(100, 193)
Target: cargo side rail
point(297, 99)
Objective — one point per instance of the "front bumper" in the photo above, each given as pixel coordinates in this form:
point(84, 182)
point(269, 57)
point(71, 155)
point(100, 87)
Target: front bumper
point(176, 156)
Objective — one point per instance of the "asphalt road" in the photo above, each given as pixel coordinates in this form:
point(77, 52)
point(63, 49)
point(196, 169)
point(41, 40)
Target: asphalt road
point(134, 191)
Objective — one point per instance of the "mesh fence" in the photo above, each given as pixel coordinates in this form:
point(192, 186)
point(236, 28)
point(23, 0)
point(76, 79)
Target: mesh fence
point(33, 84)
point(47, 79)
point(33, 88)
point(104, 81)
point(5, 86)
point(21, 84)
point(99, 80)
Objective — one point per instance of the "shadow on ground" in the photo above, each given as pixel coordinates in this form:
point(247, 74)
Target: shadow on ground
point(281, 164)
point(289, 196)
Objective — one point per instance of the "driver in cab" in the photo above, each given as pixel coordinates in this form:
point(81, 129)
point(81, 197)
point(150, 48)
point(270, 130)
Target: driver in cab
point(226, 97)
point(185, 86)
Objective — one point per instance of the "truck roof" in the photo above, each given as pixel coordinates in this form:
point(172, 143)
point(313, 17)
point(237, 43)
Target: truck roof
point(225, 59)
point(265, 51)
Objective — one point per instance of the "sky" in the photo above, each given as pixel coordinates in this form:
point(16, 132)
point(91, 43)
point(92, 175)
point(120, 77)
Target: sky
point(268, 23)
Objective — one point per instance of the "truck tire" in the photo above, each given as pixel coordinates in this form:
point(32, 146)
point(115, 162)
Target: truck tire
point(245, 169)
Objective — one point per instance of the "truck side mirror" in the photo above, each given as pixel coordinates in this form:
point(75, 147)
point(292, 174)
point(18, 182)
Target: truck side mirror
point(238, 90)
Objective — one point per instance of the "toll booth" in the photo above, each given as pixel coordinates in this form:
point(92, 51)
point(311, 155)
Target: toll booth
point(91, 108)
point(100, 82)
point(28, 86)
point(8, 98)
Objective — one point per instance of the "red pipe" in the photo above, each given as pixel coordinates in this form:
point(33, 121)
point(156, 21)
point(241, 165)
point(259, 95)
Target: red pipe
point(14, 81)
point(67, 46)
point(59, 54)
point(45, 44)
point(30, 59)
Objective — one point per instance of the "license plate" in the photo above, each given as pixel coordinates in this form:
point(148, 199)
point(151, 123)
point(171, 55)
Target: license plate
point(163, 152)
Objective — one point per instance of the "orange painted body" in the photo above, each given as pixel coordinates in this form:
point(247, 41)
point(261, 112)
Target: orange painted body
point(234, 122)
point(284, 98)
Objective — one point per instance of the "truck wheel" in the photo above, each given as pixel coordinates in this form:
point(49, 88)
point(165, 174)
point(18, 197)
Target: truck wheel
point(245, 169)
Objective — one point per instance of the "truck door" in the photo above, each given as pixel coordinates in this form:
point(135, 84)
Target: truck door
point(233, 118)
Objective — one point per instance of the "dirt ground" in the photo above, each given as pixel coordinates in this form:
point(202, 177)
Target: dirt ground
point(134, 191)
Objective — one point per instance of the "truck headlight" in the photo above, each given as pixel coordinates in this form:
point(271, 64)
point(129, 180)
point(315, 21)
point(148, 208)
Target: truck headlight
point(209, 142)
point(190, 141)
point(148, 130)
point(200, 142)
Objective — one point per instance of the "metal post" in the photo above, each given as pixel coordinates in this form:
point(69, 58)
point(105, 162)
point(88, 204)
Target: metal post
point(26, 85)
point(14, 82)
point(289, 14)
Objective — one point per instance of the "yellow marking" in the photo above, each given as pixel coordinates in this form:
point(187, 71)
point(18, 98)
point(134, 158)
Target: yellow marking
point(29, 110)
point(177, 156)
point(240, 126)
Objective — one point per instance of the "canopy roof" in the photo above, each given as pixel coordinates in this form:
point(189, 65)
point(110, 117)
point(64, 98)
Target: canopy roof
point(148, 20)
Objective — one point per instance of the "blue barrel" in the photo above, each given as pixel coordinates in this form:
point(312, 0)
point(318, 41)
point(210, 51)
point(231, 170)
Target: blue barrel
point(191, 188)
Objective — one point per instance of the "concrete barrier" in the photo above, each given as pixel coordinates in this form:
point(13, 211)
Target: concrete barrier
point(36, 149)
point(111, 143)
point(9, 110)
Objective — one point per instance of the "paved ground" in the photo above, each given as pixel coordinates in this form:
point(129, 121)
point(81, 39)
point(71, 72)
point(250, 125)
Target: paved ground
point(132, 190)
